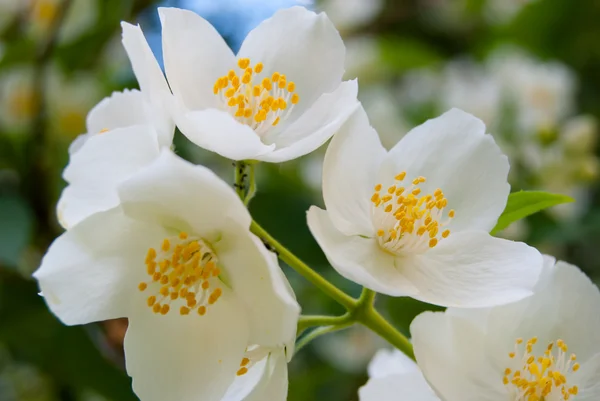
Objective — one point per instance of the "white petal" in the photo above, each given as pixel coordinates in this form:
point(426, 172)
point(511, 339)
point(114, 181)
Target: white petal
point(219, 132)
point(409, 386)
point(451, 353)
point(182, 358)
point(91, 272)
point(349, 174)
point(102, 162)
point(313, 128)
point(119, 110)
point(152, 81)
point(473, 269)
point(195, 56)
point(587, 378)
point(267, 380)
point(178, 194)
point(304, 46)
point(453, 153)
point(253, 273)
point(387, 362)
point(356, 258)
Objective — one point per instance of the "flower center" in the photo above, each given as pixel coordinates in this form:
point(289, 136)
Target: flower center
point(183, 271)
point(258, 103)
point(406, 219)
point(541, 378)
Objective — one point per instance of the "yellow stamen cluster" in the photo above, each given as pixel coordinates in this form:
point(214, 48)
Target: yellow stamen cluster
point(407, 218)
point(539, 378)
point(183, 270)
point(259, 103)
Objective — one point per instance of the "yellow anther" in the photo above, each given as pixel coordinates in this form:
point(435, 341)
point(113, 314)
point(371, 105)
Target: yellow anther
point(295, 98)
point(276, 121)
point(242, 371)
point(230, 75)
point(433, 242)
point(246, 78)
point(258, 68)
point(378, 187)
point(511, 355)
point(243, 63)
point(291, 87)
point(142, 286)
point(164, 309)
point(156, 308)
point(229, 92)
point(400, 176)
point(446, 233)
point(184, 310)
point(275, 77)
point(244, 362)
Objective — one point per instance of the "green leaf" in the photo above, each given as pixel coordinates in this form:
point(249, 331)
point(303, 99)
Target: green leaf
point(15, 228)
point(402, 54)
point(525, 203)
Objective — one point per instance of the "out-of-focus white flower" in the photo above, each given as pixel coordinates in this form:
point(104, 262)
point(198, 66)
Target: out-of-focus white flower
point(385, 115)
point(18, 101)
point(420, 86)
point(280, 100)
point(206, 301)
point(544, 347)
point(351, 14)
point(393, 376)
point(542, 92)
point(414, 221)
point(349, 350)
point(502, 11)
point(68, 100)
point(469, 87)
point(363, 58)
point(579, 134)
point(81, 15)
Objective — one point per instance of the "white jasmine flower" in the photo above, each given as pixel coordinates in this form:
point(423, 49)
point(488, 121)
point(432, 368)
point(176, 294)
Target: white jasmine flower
point(125, 132)
point(544, 347)
point(206, 301)
point(280, 99)
point(414, 221)
point(393, 376)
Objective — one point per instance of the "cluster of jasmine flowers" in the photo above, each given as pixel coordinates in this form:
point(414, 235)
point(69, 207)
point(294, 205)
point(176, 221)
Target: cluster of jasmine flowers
point(172, 247)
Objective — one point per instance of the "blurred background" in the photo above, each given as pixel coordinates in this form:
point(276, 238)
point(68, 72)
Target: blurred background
point(529, 69)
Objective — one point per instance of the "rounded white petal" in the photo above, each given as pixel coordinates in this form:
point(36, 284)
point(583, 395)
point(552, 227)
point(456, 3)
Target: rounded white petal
point(99, 165)
point(453, 153)
point(313, 128)
point(408, 386)
point(302, 45)
point(267, 380)
point(473, 270)
point(388, 362)
point(184, 358)
point(587, 379)
point(356, 258)
point(349, 174)
point(195, 56)
point(178, 194)
point(119, 110)
point(151, 80)
point(452, 355)
point(219, 132)
point(254, 275)
point(91, 272)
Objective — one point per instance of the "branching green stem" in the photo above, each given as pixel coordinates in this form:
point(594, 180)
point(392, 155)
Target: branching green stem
point(310, 321)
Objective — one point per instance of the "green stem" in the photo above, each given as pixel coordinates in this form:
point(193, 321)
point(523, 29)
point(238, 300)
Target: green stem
point(240, 179)
point(372, 319)
point(295, 263)
point(251, 186)
point(319, 332)
point(310, 321)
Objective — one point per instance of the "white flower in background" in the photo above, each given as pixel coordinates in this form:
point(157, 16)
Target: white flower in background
point(349, 350)
point(80, 17)
point(469, 87)
point(419, 87)
point(17, 99)
point(384, 111)
point(125, 132)
point(579, 134)
point(393, 376)
point(543, 93)
point(502, 11)
point(414, 221)
point(363, 58)
point(206, 301)
point(348, 15)
point(280, 99)
point(545, 347)
point(68, 100)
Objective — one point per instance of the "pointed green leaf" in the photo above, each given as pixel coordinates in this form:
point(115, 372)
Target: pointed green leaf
point(525, 203)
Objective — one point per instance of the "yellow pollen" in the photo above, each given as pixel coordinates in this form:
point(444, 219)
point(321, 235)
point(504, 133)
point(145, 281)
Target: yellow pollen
point(244, 362)
point(543, 377)
point(416, 218)
point(243, 63)
point(187, 270)
point(242, 371)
